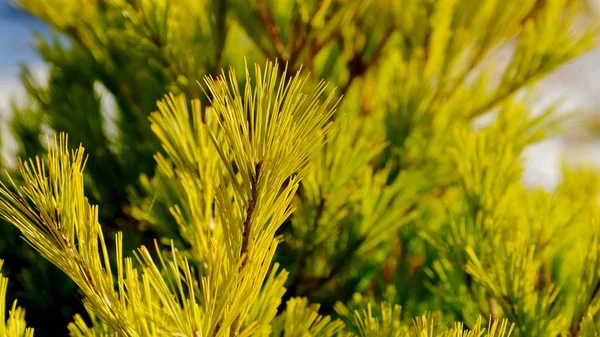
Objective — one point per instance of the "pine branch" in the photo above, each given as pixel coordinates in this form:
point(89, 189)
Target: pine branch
point(307, 249)
point(247, 227)
point(269, 23)
point(381, 46)
point(340, 263)
point(222, 34)
point(358, 66)
point(574, 329)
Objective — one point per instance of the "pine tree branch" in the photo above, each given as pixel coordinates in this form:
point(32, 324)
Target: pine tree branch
point(359, 67)
point(247, 228)
point(381, 46)
point(475, 60)
point(575, 326)
point(341, 263)
point(249, 211)
point(293, 288)
point(595, 292)
point(271, 27)
point(471, 290)
point(259, 45)
point(57, 233)
point(222, 35)
point(502, 96)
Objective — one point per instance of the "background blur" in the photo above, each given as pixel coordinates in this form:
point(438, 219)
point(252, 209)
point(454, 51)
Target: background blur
point(577, 84)
point(131, 64)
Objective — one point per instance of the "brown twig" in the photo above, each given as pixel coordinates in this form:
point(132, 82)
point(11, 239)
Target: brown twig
point(235, 326)
point(357, 66)
point(379, 48)
point(272, 29)
point(249, 212)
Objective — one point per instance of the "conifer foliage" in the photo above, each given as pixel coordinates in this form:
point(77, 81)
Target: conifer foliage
point(265, 201)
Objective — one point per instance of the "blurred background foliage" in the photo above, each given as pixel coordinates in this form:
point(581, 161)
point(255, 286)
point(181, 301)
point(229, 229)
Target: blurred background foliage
point(414, 201)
